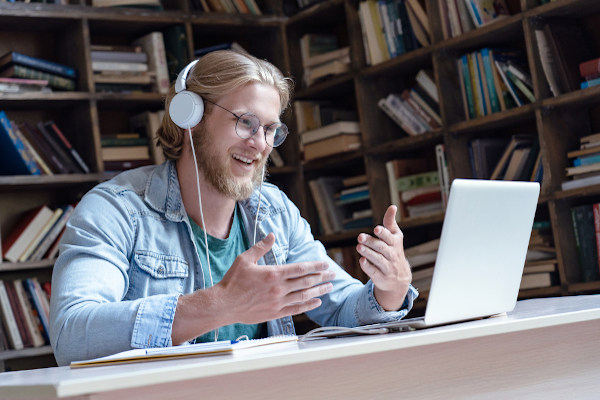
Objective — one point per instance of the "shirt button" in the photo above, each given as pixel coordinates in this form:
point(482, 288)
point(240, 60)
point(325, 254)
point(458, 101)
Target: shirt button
point(161, 269)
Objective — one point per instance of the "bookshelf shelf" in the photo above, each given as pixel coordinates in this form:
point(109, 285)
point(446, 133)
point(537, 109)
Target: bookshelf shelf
point(8, 266)
point(23, 353)
point(525, 113)
point(40, 181)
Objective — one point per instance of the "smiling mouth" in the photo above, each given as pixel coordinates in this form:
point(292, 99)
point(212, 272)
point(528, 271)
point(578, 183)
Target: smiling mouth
point(243, 159)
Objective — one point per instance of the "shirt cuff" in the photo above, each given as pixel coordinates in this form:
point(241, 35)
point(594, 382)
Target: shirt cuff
point(154, 322)
point(369, 311)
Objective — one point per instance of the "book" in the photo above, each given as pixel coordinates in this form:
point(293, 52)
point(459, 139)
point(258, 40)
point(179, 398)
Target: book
point(24, 232)
point(397, 168)
point(130, 153)
point(54, 142)
point(485, 155)
point(376, 54)
point(14, 159)
point(571, 45)
point(153, 45)
point(8, 319)
point(67, 146)
point(322, 58)
point(333, 145)
point(425, 79)
point(176, 49)
point(32, 150)
point(548, 61)
point(52, 234)
point(414, 181)
point(321, 71)
point(590, 68)
point(585, 241)
point(136, 55)
point(18, 313)
point(191, 350)
point(40, 235)
point(328, 131)
point(516, 141)
point(536, 280)
point(13, 57)
point(30, 323)
point(54, 81)
point(146, 124)
point(442, 165)
point(37, 139)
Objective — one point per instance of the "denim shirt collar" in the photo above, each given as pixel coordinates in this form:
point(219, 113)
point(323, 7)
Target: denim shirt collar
point(163, 193)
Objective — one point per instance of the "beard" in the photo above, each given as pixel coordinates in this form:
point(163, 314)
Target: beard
point(215, 169)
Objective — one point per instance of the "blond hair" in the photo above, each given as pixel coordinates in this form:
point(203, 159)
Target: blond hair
point(215, 74)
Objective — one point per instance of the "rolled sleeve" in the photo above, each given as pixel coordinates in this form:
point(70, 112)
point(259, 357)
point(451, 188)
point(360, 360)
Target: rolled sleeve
point(369, 311)
point(154, 322)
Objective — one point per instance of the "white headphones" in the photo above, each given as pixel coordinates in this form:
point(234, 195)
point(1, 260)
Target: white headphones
point(186, 108)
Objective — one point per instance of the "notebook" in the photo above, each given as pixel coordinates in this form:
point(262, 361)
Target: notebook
point(480, 258)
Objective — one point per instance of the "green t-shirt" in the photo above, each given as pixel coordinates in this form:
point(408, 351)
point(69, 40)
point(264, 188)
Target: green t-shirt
point(222, 255)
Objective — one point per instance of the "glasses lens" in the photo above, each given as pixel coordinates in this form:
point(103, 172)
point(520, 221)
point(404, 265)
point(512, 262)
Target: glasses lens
point(276, 134)
point(247, 125)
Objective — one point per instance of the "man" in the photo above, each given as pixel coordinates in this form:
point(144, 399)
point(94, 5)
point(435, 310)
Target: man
point(198, 249)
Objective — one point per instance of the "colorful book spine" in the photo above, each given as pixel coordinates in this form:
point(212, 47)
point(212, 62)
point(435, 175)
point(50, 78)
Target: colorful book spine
point(44, 65)
point(16, 159)
point(55, 81)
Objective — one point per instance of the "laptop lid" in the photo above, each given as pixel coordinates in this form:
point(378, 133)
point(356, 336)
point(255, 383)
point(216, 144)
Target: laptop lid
point(482, 249)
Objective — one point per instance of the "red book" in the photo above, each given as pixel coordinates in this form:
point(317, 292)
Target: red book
point(19, 237)
point(589, 68)
point(18, 313)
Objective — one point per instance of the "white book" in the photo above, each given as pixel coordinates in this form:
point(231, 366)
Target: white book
point(330, 130)
point(153, 44)
point(8, 320)
point(37, 223)
point(119, 66)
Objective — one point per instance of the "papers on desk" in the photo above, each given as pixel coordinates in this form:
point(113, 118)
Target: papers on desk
point(192, 350)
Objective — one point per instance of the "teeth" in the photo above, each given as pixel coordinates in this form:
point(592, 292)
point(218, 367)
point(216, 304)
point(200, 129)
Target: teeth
point(243, 159)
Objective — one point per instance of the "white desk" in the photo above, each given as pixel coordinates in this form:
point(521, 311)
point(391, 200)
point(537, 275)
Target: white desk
point(545, 348)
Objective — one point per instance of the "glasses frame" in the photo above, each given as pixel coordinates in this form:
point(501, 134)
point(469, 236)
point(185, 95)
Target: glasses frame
point(265, 127)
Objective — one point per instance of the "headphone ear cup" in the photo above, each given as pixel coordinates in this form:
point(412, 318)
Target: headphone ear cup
point(186, 109)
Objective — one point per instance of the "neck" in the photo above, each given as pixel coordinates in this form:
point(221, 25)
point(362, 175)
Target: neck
point(217, 208)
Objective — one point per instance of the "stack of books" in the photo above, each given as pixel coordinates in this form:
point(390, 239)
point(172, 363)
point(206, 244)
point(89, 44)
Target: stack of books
point(414, 188)
point(493, 80)
point(122, 151)
point(590, 72)
point(461, 16)
point(24, 308)
point(322, 57)
point(18, 85)
point(37, 149)
point(541, 263)
point(36, 235)
point(422, 260)
point(415, 110)
point(585, 169)
point(392, 28)
point(22, 66)
point(139, 67)
point(335, 138)
point(342, 203)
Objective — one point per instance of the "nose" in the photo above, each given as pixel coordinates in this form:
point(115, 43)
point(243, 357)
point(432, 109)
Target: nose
point(259, 139)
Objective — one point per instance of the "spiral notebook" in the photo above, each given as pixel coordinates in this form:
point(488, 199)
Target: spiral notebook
point(192, 350)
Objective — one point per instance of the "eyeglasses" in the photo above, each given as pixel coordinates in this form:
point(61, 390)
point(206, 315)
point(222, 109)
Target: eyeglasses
point(247, 125)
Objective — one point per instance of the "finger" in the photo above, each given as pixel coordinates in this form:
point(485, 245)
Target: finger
point(305, 295)
point(371, 270)
point(261, 248)
point(300, 269)
point(377, 259)
point(311, 280)
point(299, 308)
point(377, 245)
point(389, 219)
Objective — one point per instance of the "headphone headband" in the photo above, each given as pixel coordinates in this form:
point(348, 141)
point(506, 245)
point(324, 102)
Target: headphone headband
point(186, 108)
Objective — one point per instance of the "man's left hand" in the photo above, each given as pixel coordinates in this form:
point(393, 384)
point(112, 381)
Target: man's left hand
point(383, 260)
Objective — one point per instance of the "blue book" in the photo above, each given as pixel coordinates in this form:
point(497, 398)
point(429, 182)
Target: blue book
point(587, 160)
point(590, 83)
point(37, 63)
point(14, 159)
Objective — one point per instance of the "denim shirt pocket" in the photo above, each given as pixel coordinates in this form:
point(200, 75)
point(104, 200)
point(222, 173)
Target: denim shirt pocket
point(155, 273)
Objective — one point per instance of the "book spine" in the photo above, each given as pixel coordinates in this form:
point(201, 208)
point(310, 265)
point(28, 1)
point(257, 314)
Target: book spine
point(31, 289)
point(596, 209)
point(52, 234)
point(9, 320)
point(31, 325)
point(75, 155)
point(55, 81)
point(465, 76)
point(18, 313)
point(417, 180)
point(19, 146)
point(56, 147)
point(589, 68)
point(585, 238)
point(44, 65)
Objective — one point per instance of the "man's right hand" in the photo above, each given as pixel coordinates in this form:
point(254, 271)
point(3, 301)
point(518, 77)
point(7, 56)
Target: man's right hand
point(255, 293)
point(250, 293)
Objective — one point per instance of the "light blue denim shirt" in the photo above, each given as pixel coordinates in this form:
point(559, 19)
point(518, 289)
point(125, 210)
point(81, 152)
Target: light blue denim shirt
point(128, 254)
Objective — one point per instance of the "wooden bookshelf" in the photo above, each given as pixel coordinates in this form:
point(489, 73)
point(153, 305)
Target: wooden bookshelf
point(64, 33)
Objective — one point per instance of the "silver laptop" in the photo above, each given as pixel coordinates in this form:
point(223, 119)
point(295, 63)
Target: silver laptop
point(480, 258)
